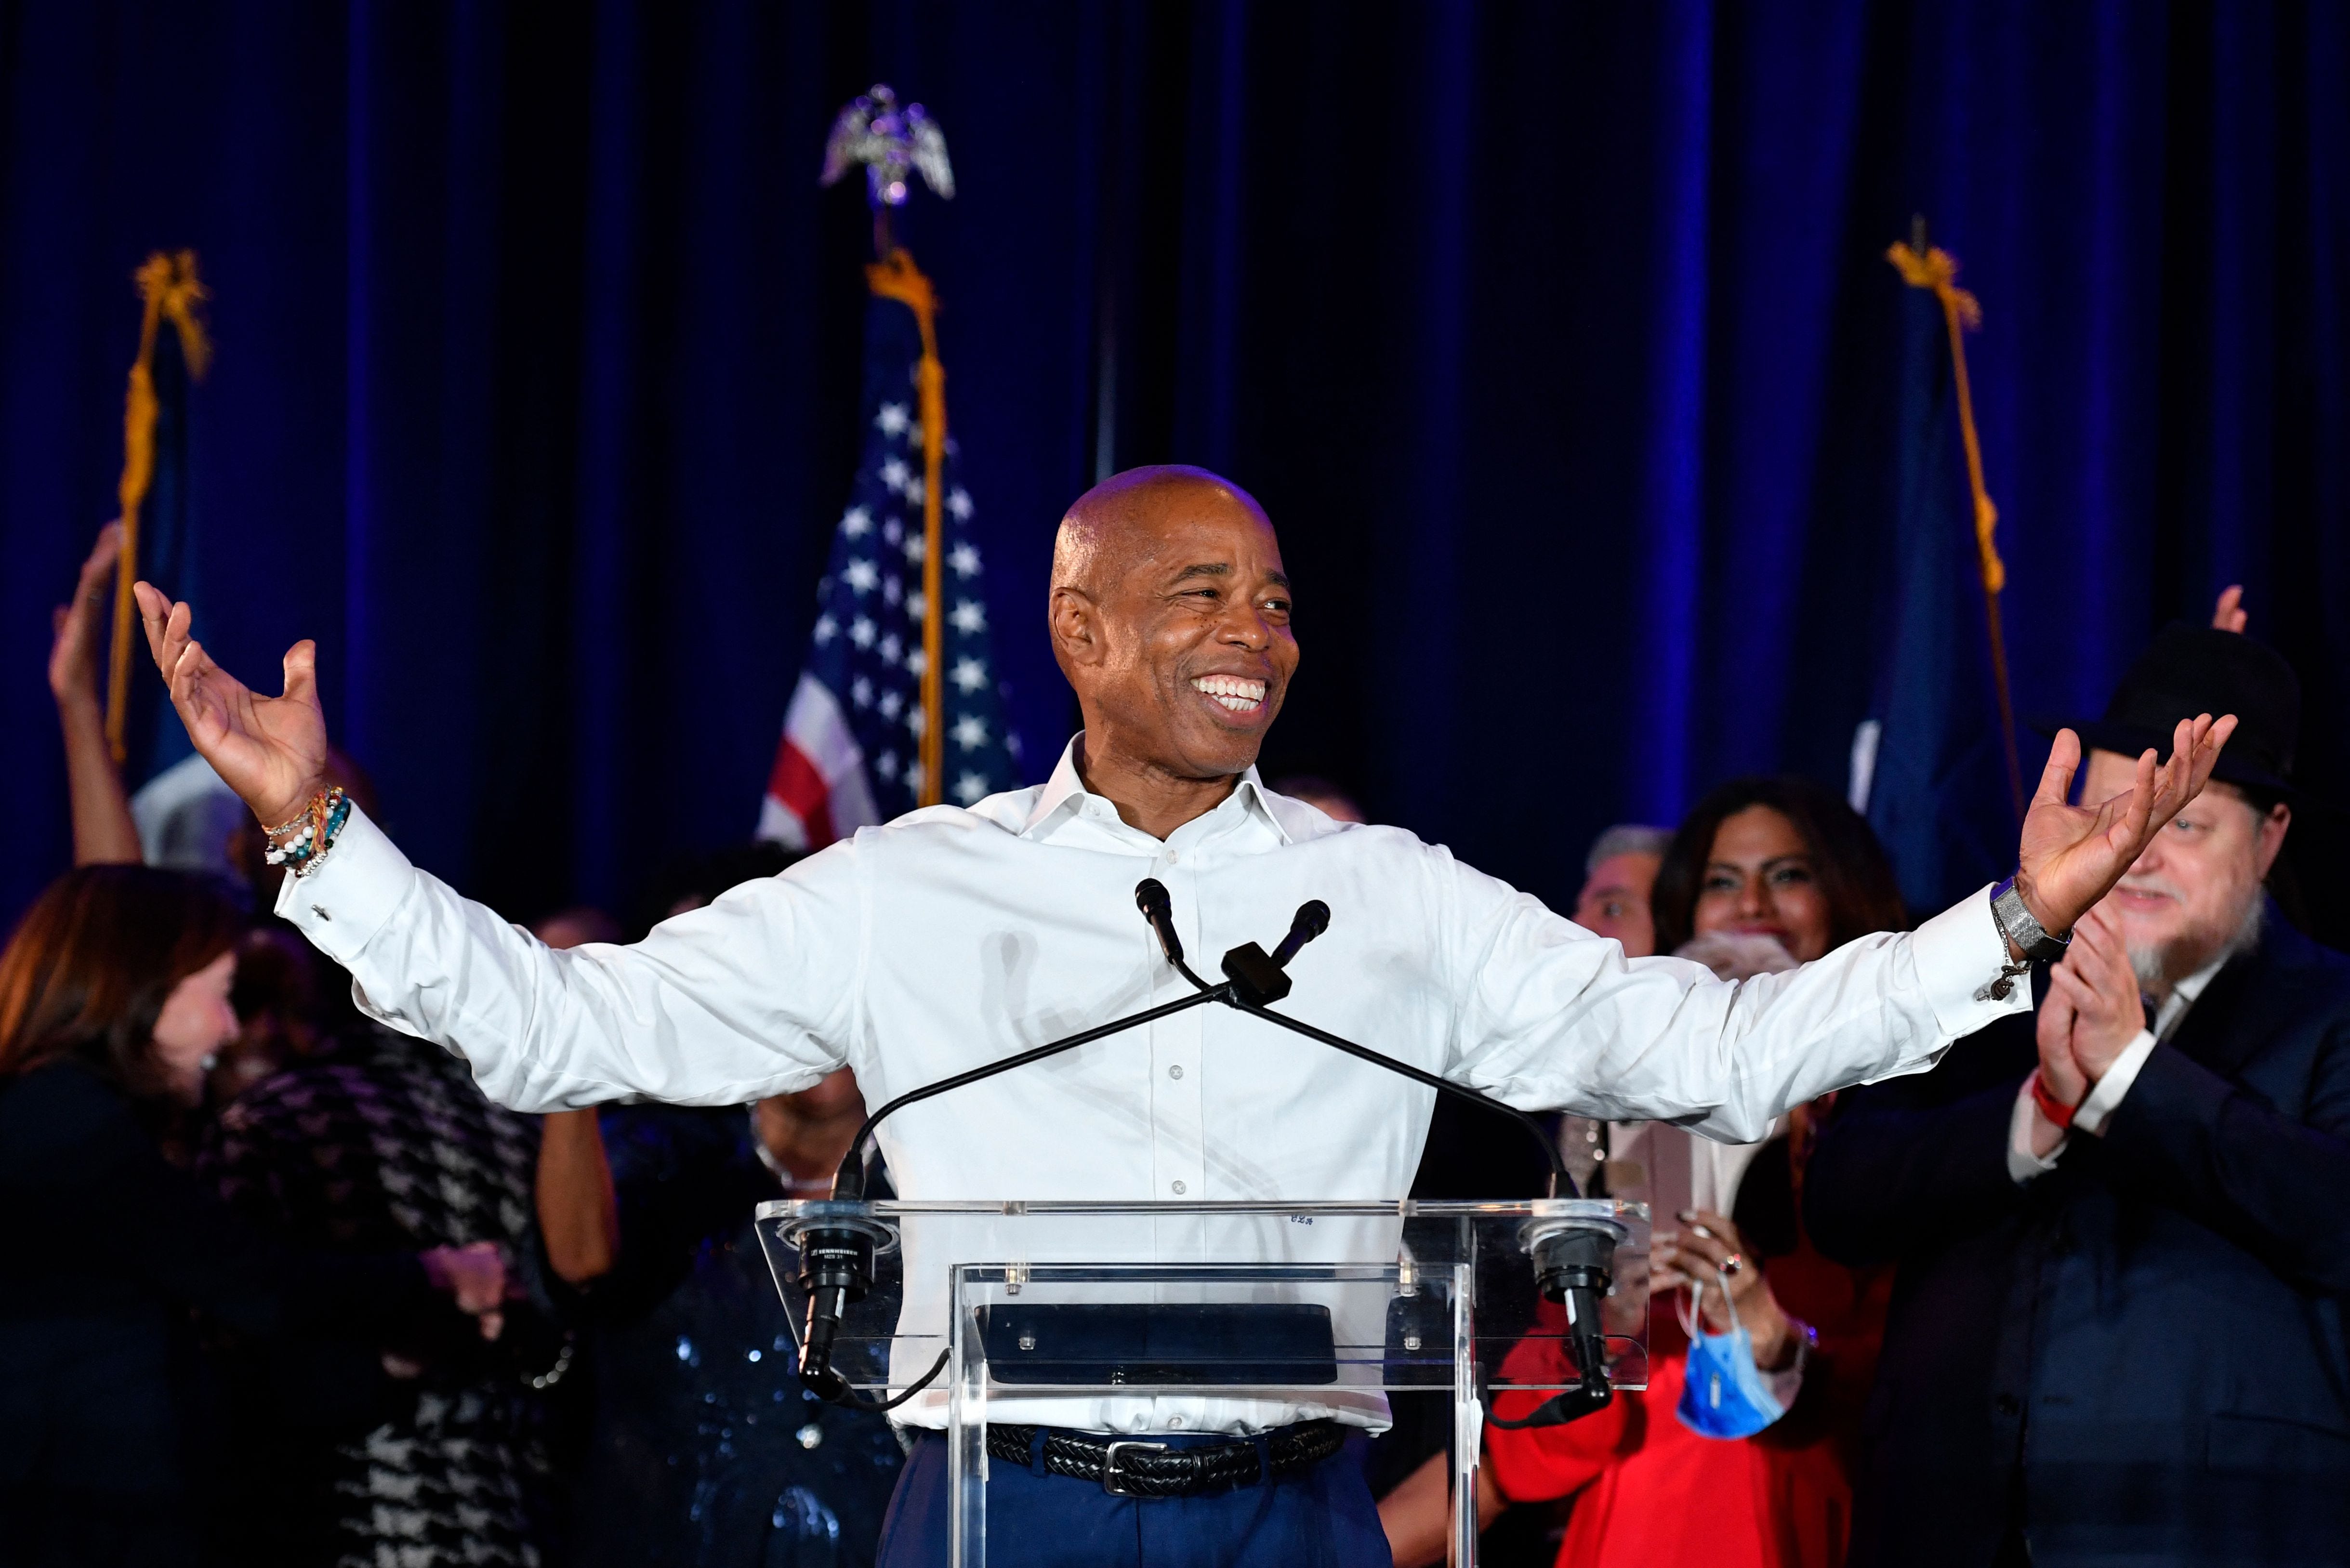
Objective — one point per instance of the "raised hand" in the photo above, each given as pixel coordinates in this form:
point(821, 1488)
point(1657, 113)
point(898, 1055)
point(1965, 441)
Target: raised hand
point(2070, 856)
point(2229, 614)
point(271, 750)
point(75, 629)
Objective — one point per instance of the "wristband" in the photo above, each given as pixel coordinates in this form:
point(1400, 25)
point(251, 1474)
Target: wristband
point(2058, 1113)
point(312, 833)
point(2018, 925)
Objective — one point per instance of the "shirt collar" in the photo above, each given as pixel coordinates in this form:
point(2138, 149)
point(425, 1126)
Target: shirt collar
point(2183, 995)
point(2192, 986)
point(1064, 795)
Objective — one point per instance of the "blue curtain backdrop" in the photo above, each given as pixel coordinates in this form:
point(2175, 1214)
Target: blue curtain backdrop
point(1557, 340)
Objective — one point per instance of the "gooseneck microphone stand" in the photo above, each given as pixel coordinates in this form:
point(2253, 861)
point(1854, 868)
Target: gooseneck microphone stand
point(837, 1259)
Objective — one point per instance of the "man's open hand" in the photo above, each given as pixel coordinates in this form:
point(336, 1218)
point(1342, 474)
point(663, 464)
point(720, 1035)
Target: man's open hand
point(2072, 856)
point(271, 750)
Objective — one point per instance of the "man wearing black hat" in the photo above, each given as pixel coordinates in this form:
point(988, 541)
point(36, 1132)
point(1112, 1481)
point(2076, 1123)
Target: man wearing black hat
point(2123, 1225)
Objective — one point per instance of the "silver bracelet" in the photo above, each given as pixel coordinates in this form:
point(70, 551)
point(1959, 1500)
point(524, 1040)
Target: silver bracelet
point(2018, 926)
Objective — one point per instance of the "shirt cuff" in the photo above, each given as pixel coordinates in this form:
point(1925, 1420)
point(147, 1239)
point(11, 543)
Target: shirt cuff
point(2022, 1165)
point(353, 891)
point(2109, 1090)
point(1959, 953)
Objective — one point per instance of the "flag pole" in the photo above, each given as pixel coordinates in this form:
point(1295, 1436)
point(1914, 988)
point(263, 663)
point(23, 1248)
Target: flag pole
point(170, 290)
point(895, 276)
point(892, 144)
point(1932, 267)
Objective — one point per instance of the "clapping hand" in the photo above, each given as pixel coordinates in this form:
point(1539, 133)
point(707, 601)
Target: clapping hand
point(271, 750)
point(2070, 856)
point(2092, 1012)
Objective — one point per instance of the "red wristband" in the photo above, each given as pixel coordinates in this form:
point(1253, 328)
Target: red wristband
point(2058, 1113)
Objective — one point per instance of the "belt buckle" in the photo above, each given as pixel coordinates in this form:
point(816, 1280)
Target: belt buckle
point(1109, 1465)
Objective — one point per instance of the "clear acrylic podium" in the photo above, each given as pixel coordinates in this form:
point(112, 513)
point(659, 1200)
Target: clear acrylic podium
point(1032, 1313)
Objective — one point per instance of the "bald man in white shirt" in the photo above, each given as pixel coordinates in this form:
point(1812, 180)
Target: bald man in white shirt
point(955, 937)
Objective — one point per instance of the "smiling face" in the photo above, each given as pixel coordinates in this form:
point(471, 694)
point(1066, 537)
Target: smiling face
point(1171, 617)
point(2186, 900)
point(1761, 880)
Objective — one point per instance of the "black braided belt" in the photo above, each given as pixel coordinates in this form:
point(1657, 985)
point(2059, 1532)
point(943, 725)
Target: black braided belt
point(1138, 1468)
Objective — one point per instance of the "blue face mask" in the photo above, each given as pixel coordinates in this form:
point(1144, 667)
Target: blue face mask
point(1723, 1396)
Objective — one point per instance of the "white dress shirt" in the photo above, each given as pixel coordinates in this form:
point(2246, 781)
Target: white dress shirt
point(955, 937)
point(2105, 1094)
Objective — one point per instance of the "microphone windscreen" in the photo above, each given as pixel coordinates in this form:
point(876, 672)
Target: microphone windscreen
point(1313, 918)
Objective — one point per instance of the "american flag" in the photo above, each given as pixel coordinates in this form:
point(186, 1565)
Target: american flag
point(851, 752)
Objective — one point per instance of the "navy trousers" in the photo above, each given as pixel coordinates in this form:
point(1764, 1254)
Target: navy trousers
point(1324, 1517)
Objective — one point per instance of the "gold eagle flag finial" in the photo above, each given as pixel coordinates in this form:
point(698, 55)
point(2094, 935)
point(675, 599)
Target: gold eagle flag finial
point(894, 144)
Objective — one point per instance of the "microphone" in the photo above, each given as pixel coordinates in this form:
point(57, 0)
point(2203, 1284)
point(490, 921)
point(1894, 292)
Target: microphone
point(1313, 919)
point(1257, 976)
point(1574, 1265)
point(1151, 898)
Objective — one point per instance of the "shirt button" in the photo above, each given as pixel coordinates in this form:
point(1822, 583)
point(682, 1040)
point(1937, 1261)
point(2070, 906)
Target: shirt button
point(2008, 1404)
point(1174, 1423)
point(1179, 1189)
point(1171, 858)
point(1174, 1072)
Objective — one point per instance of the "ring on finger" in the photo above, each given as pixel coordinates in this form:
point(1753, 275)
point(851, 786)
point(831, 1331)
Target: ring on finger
point(1732, 1264)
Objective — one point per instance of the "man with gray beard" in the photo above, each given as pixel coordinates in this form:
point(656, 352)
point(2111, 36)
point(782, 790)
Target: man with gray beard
point(2123, 1225)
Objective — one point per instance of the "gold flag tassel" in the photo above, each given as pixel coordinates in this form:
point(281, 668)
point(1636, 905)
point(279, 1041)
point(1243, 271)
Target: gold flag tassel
point(895, 276)
point(171, 292)
point(1924, 266)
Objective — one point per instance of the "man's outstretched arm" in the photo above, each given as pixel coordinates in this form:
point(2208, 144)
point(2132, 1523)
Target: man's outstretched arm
point(1553, 1017)
point(723, 1005)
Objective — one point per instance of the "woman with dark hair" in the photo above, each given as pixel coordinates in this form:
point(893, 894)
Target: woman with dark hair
point(1737, 1452)
point(1783, 858)
point(113, 996)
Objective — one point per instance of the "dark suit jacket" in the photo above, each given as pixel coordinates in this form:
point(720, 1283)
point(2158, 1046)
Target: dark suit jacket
point(2140, 1358)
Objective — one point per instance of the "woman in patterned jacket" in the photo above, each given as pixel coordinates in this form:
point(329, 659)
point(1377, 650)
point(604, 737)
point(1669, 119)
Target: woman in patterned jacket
point(113, 993)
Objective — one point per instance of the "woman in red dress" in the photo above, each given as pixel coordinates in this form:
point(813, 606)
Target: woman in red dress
point(1760, 863)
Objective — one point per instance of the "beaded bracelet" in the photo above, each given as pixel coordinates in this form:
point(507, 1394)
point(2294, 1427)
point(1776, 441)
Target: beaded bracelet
point(318, 823)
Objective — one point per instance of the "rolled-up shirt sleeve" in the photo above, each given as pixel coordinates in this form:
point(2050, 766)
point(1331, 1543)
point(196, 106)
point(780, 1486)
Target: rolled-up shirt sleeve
point(1553, 1017)
point(749, 997)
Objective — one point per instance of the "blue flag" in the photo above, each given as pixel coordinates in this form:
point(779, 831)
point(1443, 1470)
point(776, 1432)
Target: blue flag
point(1930, 766)
point(184, 811)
